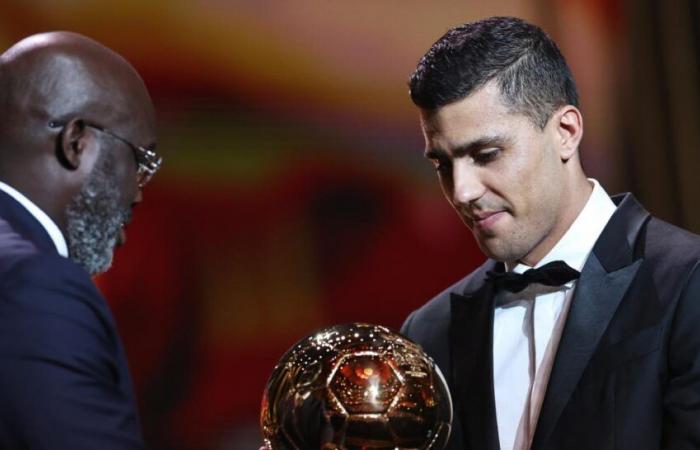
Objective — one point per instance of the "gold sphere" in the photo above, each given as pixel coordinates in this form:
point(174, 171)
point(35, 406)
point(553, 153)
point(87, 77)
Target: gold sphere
point(356, 387)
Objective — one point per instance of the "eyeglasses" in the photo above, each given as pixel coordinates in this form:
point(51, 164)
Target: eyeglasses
point(148, 161)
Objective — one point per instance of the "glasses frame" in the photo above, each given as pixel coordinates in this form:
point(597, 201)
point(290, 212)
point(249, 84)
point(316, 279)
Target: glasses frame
point(147, 161)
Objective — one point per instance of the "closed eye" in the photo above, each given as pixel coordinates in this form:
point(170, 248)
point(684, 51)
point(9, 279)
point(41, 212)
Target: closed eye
point(485, 156)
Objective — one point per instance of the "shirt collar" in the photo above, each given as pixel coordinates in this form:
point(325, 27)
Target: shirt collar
point(49, 225)
point(578, 241)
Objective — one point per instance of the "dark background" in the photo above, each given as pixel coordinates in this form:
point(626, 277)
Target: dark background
point(294, 194)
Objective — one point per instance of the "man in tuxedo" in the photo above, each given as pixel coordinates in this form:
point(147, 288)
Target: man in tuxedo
point(76, 148)
point(581, 329)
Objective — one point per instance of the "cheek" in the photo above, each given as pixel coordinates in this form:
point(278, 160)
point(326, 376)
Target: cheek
point(513, 183)
point(542, 200)
point(125, 181)
point(528, 187)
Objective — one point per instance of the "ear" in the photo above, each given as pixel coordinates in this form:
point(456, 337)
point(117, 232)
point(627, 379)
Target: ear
point(569, 130)
point(72, 143)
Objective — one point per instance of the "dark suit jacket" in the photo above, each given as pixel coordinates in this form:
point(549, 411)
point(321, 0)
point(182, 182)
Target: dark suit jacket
point(64, 382)
point(627, 371)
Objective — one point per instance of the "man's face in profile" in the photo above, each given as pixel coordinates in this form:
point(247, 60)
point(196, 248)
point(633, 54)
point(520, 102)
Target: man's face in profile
point(98, 214)
point(501, 173)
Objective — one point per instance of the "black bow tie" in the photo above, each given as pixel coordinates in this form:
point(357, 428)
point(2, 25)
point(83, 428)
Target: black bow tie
point(555, 273)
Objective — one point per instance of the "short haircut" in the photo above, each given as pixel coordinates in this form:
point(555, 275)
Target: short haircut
point(527, 65)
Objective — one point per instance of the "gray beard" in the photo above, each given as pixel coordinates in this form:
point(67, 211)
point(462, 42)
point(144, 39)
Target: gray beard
point(94, 218)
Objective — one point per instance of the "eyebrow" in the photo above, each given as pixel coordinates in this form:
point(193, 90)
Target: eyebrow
point(467, 148)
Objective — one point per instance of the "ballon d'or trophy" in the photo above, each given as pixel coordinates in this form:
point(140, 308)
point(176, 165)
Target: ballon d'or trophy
point(356, 387)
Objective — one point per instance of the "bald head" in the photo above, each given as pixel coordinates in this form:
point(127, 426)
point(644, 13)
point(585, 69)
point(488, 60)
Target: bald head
point(61, 75)
point(59, 92)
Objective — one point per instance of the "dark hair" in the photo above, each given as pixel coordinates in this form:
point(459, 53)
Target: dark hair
point(525, 62)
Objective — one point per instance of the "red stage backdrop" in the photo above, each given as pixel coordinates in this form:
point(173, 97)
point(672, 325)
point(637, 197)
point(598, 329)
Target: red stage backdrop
point(293, 194)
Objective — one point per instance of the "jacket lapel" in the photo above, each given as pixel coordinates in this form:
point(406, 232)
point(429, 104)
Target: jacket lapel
point(605, 278)
point(471, 334)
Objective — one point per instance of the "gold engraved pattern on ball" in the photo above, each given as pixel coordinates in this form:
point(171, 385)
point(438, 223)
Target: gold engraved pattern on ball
point(353, 387)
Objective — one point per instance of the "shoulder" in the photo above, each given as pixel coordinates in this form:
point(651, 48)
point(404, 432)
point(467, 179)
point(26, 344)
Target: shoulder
point(662, 238)
point(436, 312)
point(49, 275)
point(671, 252)
point(63, 374)
point(437, 309)
point(50, 302)
point(13, 247)
point(429, 325)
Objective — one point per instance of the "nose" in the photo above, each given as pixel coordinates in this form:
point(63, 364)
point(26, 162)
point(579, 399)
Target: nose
point(468, 186)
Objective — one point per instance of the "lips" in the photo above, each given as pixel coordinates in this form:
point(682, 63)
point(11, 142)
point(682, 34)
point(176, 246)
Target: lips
point(486, 220)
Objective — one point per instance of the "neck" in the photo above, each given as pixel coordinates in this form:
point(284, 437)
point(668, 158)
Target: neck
point(50, 201)
point(573, 204)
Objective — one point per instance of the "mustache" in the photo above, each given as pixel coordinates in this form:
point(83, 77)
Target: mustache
point(479, 210)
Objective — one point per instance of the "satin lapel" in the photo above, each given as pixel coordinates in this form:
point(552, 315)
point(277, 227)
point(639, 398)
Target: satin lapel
point(606, 277)
point(471, 358)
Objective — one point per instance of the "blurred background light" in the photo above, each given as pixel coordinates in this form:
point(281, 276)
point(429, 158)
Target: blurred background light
point(294, 194)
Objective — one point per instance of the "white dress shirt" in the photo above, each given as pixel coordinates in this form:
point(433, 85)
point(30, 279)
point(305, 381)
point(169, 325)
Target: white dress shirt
point(45, 221)
point(528, 326)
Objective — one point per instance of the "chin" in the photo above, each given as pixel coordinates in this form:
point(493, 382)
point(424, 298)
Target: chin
point(500, 251)
point(94, 262)
point(492, 252)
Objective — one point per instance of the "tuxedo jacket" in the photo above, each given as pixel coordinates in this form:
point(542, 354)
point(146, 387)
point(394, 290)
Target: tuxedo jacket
point(64, 382)
point(627, 371)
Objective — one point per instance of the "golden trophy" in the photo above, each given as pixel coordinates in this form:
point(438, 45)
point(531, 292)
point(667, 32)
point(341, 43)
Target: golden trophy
point(356, 387)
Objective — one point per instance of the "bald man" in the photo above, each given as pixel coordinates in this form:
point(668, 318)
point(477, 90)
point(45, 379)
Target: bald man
point(76, 149)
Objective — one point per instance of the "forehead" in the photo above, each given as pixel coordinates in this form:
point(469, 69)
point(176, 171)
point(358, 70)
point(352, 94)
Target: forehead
point(481, 113)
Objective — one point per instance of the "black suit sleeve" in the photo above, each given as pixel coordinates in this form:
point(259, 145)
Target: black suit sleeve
point(63, 377)
point(406, 325)
point(682, 395)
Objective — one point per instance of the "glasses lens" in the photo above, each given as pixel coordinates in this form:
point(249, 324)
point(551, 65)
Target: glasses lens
point(148, 164)
point(142, 176)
